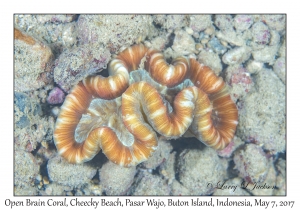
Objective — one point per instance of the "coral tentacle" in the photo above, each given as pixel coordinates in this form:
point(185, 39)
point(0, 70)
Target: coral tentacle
point(142, 97)
point(163, 73)
point(204, 78)
point(103, 137)
point(216, 130)
point(113, 86)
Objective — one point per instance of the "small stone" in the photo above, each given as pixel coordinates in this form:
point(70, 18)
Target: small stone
point(56, 96)
point(184, 43)
point(200, 22)
point(198, 168)
point(260, 33)
point(276, 22)
point(199, 46)
point(211, 60)
point(204, 41)
point(45, 180)
point(224, 22)
point(216, 46)
point(210, 30)
point(151, 185)
point(237, 55)
point(189, 30)
point(231, 37)
point(254, 66)
point(48, 190)
point(239, 80)
point(252, 163)
point(38, 177)
point(55, 111)
point(242, 22)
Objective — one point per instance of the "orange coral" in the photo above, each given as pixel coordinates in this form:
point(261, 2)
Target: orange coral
point(206, 109)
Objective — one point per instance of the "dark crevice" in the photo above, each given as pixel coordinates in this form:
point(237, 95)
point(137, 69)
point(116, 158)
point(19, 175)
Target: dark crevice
point(170, 41)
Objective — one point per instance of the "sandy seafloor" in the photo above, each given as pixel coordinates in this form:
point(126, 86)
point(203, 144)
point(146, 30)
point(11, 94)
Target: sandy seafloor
point(58, 51)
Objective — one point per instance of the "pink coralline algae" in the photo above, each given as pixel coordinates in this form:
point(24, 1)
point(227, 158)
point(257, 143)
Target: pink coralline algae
point(56, 96)
point(261, 33)
point(240, 81)
point(227, 151)
point(243, 22)
point(241, 76)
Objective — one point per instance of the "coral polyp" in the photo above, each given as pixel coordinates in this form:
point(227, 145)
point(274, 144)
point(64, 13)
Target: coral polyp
point(125, 114)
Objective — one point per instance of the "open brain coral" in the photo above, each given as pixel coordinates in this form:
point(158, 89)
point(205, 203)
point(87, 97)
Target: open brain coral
point(122, 114)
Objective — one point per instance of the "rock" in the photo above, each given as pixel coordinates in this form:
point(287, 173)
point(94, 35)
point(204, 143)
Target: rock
point(260, 33)
point(184, 43)
point(267, 186)
point(73, 65)
point(170, 22)
point(114, 31)
point(26, 169)
point(239, 80)
point(224, 22)
point(200, 22)
point(151, 185)
point(242, 22)
point(33, 62)
point(276, 22)
point(237, 55)
point(262, 115)
point(252, 163)
point(31, 127)
point(56, 96)
point(212, 60)
point(254, 67)
point(198, 168)
point(116, 179)
point(48, 28)
point(266, 55)
point(73, 175)
point(231, 37)
point(216, 46)
point(25, 109)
